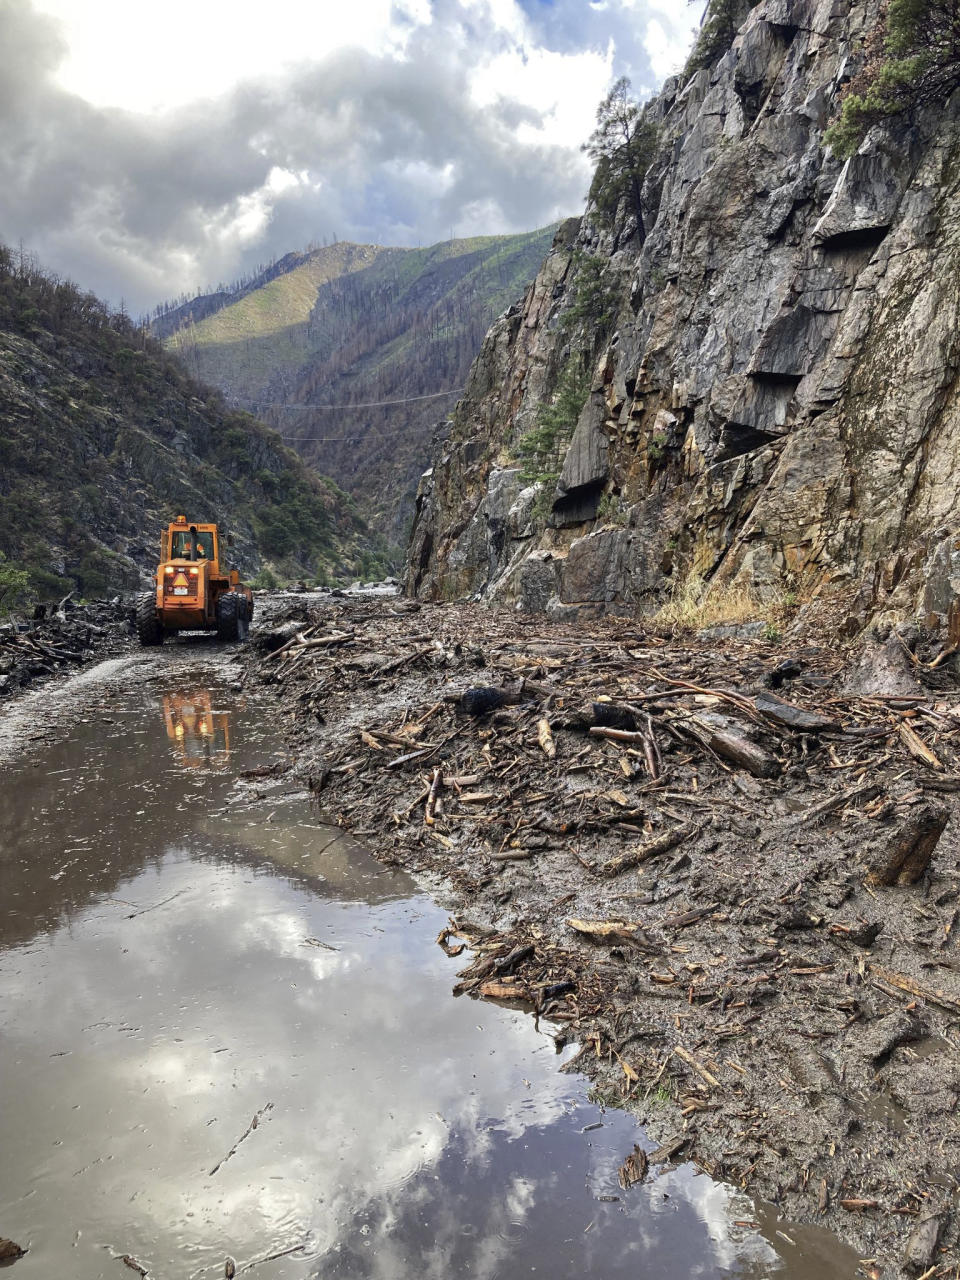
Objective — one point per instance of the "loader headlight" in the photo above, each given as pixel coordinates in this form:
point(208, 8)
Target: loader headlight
point(168, 569)
point(194, 572)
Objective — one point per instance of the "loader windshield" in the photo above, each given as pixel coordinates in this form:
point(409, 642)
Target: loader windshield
point(191, 544)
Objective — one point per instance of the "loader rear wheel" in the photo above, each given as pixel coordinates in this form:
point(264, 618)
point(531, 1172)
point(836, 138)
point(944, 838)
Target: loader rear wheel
point(149, 626)
point(231, 617)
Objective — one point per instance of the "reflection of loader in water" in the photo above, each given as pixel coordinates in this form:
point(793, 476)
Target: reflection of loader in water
point(202, 735)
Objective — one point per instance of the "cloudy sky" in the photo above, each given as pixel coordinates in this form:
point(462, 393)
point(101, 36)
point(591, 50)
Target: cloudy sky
point(151, 150)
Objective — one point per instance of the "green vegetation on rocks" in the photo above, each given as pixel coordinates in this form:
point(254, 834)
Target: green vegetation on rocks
point(596, 292)
point(541, 450)
point(912, 60)
point(721, 22)
point(14, 583)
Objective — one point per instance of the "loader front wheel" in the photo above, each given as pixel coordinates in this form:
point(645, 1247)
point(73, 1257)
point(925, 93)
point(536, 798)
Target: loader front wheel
point(149, 626)
point(231, 617)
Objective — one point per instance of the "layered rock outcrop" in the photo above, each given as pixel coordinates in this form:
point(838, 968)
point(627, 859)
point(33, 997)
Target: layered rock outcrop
point(776, 406)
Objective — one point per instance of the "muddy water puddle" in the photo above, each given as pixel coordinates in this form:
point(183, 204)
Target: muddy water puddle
point(177, 960)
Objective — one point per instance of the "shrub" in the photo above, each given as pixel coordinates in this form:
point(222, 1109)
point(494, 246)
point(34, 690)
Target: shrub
point(540, 449)
point(657, 447)
point(695, 603)
point(265, 580)
point(912, 59)
point(13, 585)
point(610, 510)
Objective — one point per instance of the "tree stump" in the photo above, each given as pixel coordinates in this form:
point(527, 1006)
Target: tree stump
point(906, 859)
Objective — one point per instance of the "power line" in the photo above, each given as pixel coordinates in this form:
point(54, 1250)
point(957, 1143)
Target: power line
point(325, 439)
point(381, 439)
point(369, 404)
point(336, 439)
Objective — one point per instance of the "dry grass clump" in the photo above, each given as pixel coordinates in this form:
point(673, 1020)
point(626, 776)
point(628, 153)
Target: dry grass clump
point(695, 604)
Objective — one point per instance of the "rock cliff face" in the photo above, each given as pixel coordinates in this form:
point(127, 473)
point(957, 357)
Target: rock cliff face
point(777, 404)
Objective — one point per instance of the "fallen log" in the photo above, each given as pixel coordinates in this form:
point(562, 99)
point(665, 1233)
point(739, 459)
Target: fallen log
point(618, 930)
point(731, 746)
point(651, 752)
point(633, 1169)
point(921, 1248)
point(641, 852)
point(907, 858)
point(789, 716)
point(833, 803)
point(433, 795)
point(687, 918)
point(905, 983)
point(685, 1056)
point(496, 989)
point(918, 748)
point(618, 735)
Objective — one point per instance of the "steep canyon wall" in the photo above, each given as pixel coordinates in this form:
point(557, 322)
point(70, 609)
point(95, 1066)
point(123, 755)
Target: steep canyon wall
point(773, 400)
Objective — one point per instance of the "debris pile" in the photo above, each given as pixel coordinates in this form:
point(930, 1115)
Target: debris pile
point(69, 637)
point(734, 884)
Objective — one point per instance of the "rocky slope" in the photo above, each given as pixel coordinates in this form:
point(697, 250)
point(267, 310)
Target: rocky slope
point(772, 403)
point(349, 325)
point(103, 437)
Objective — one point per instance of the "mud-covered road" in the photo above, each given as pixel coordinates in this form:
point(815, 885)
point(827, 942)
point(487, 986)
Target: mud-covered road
point(728, 871)
point(228, 1040)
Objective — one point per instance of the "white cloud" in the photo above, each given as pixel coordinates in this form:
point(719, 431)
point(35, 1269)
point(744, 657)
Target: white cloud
point(144, 158)
point(120, 55)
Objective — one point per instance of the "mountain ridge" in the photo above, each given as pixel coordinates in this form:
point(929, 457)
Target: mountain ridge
point(357, 325)
point(103, 436)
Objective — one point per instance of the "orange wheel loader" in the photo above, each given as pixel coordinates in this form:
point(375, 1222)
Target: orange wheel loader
point(195, 590)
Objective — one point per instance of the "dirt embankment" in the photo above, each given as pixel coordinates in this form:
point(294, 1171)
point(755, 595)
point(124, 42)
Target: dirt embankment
point(51, 645)
point(734, 884)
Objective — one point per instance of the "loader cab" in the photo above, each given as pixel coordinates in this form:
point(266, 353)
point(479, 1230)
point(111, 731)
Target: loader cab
point(194, 542)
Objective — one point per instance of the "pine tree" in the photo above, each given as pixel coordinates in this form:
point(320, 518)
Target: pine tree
point(623, 145)
point(541, 449)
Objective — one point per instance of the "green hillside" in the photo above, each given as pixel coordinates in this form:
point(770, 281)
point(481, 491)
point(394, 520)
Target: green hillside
point(347, 325)
point(103, 436)
point(244, 343)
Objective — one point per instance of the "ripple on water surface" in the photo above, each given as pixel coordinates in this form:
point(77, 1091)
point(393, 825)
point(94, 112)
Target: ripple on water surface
point(177, 963)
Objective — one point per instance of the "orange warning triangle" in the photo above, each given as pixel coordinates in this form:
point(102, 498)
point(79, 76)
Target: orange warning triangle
point(180, 580)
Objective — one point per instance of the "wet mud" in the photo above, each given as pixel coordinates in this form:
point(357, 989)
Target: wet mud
point(57, 642)
point(728, 877)
point(228, 1043)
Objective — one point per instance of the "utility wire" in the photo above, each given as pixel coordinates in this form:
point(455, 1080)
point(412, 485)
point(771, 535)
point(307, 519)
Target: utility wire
point(369, 404)
point(338, 439)
point(381, 439)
